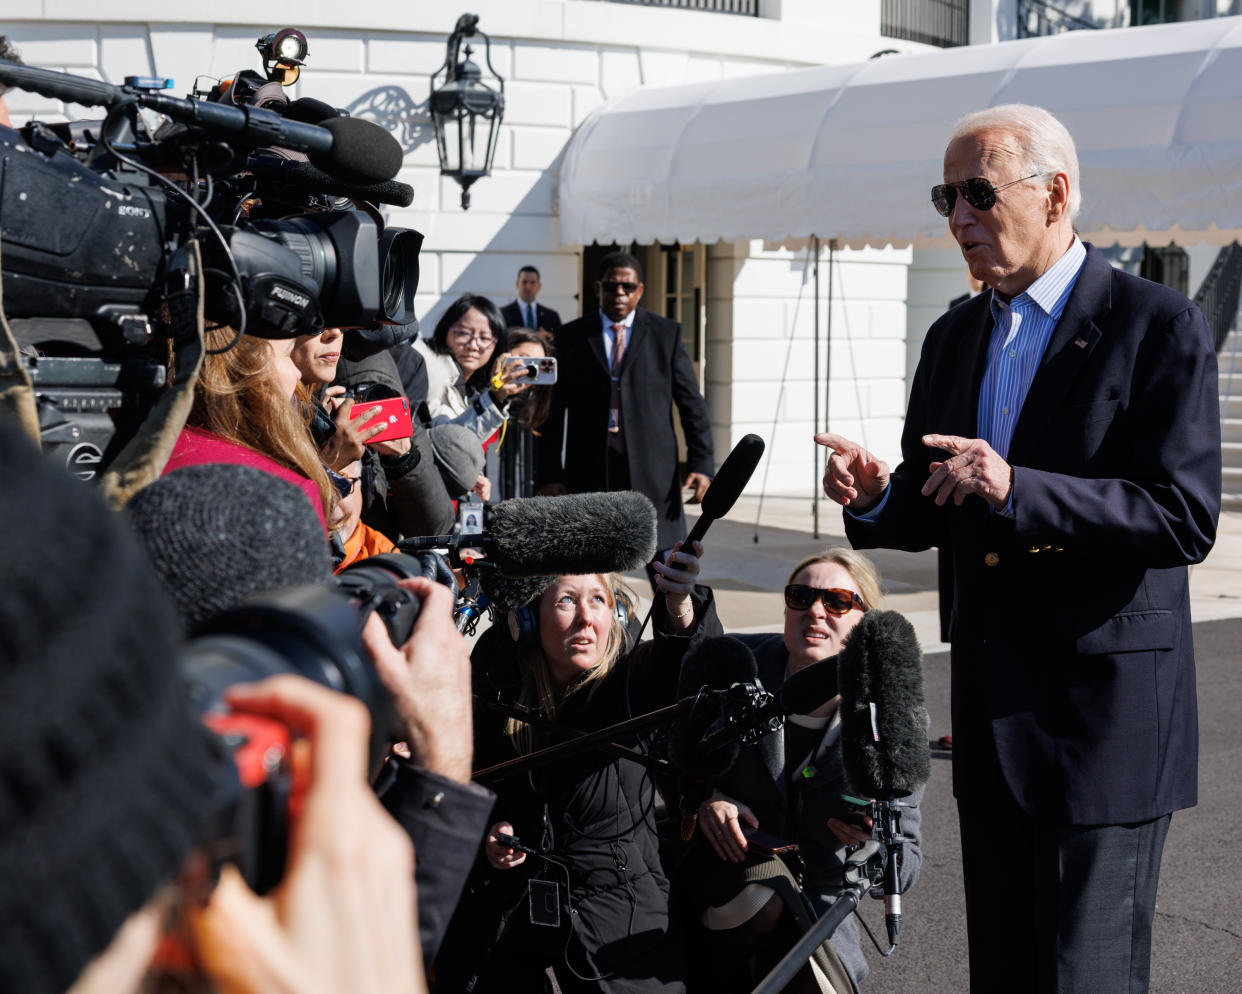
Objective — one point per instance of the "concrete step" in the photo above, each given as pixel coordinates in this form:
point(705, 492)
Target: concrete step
point(1231, 430)
point(1231, 455)
point(1231, 407)
point(1231, 488)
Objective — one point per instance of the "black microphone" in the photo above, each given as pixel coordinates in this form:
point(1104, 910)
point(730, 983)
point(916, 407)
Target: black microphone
point(723, 662)
point(556, 536)
point(362, 151)
point(727, 485)
point(884, 748)
point(251, 126)
point(717, 664)
point(308, 110)
point(309, 178)
point(883, 716)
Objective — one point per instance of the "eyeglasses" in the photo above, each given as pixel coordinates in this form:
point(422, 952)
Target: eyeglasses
point(612, 286)
point(482, 338)
point(837, 601)
point(978, 192)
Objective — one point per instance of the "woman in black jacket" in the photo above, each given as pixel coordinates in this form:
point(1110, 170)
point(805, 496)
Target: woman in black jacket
point(789, 785)
point(585, 895)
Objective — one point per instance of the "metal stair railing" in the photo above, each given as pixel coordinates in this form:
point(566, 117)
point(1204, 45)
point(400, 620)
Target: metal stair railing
point(1217, 297)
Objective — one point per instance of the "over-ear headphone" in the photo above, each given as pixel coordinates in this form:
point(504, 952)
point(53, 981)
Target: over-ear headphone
point(524, 621)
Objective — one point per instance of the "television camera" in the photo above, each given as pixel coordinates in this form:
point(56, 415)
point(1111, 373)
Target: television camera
point(102, 222)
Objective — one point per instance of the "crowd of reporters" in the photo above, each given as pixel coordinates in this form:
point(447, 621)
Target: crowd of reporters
point(124, 835)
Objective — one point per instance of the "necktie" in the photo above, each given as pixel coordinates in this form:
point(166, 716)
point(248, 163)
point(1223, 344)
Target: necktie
point(615, 438)
point(530, 316)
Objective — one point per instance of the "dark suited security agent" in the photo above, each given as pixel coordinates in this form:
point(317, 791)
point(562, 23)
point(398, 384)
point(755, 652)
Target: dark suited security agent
point(621, 372)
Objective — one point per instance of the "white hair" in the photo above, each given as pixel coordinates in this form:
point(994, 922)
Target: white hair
point(1047, 147)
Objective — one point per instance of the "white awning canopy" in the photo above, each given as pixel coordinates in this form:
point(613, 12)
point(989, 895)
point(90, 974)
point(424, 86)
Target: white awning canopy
point(851, 152)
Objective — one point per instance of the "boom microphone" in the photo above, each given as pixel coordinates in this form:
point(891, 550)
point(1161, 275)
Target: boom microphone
point(727, 485)
point(716, 663)
point(883, 717)
point(884, 747)
point(555, 536)
point(722, 662)
point(361, 151)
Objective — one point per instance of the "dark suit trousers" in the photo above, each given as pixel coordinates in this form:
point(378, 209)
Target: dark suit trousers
point(1057, 909)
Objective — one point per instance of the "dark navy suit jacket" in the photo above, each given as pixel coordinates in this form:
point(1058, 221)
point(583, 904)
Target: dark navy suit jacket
point(656, 375)
point(1073, 667)
point(545, 317)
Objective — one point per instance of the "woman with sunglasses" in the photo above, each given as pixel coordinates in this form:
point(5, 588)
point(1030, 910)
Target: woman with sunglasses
point(244, 412)
point(789, 785)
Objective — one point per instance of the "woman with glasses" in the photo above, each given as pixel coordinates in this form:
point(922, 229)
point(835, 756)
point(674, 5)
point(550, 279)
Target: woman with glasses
point(460, 387)
point(789, 786)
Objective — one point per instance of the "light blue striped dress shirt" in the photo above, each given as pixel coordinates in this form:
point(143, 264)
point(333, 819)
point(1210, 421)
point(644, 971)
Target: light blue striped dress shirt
point(1020, 332)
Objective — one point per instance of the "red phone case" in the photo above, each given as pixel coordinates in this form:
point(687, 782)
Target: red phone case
point(394, 410)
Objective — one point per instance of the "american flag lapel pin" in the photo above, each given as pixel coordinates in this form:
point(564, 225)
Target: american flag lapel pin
point(1080, 343)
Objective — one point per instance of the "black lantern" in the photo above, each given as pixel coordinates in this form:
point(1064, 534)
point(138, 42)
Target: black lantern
point(465, 111)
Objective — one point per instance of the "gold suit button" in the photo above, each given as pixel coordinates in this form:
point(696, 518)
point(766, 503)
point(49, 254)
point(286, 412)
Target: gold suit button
point(991, 559)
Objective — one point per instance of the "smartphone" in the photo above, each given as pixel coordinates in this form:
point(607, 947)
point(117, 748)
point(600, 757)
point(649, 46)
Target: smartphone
point(767, 843)
point(538, 371)
point(396, 412)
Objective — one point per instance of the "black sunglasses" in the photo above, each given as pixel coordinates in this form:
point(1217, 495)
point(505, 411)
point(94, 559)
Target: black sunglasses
point(836, 600)
point(978, 192)
point(612, 286)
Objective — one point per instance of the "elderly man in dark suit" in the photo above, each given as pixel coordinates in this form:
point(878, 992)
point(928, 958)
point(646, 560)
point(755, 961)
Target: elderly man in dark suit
point(621, 370)
point(1063, 433)
point(526, 311)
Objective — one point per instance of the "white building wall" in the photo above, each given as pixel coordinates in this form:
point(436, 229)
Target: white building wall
point(560, 59)
point(761, 354)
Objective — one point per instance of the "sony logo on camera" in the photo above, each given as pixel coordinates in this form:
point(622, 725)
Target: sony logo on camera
point(132, 210)
point(298, 300)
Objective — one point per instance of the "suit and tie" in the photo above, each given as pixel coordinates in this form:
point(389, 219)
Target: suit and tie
point(518, 313)
point(655, 374)
point(1073, 685)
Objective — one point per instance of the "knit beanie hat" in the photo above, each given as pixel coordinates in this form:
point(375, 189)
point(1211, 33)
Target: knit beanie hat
point(219, 533)
point(105, 774)
point(459, 457)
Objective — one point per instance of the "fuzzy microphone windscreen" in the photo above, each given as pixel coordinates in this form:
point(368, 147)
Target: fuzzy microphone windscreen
point(884, 747)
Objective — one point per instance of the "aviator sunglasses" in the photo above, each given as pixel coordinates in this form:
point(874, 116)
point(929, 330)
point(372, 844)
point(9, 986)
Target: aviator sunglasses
point(836, 600)
point(978, 192)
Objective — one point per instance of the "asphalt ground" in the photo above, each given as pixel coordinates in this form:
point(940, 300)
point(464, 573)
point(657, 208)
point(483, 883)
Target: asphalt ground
point(1197, 938)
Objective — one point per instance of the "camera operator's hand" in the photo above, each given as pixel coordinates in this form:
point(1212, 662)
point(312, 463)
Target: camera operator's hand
point(482, 488)
point(500, 856)
point(676, 577)
point(429, 679)
point(350, 439)
point(720, 819)
point(344, 916)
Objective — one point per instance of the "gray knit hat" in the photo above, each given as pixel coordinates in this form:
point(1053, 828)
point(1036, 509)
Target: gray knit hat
point(219, 533)
point(105, 775)
point(459, 457)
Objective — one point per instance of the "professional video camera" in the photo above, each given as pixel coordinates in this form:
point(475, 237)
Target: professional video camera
point(312, 631)
point(98, 222)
